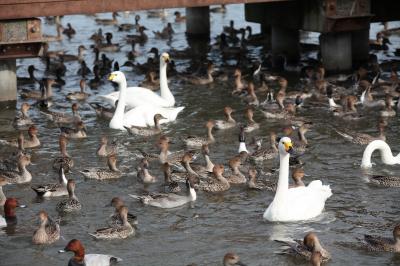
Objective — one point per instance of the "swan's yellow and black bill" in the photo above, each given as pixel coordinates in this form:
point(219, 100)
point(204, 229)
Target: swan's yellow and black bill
point(288, 147)
point(166, 58)
point(111, 77)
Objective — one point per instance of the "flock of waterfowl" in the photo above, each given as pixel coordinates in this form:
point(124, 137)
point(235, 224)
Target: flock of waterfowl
point(141, 112)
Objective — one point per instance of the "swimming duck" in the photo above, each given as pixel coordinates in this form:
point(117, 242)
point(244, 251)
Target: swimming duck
point(169, 200)
point(142, 115)
point(179, 17)
point(203, 169)
point(251, 98)
point(266, 153)
point(169, 185)
point(151, 82)
point(62, 117)
point(253, 183)
point(239, 85)
point(116, 232)
point(235, 177)
point(167, 156)
point(128, 26)
point(28, 80)
point(3, 198)
point(77, 132)
point(112, 21)
point(143, 173)
point(34, 94)
point(388, 111)
point(301, 203)
point(190, 173)
point(64, 160)
point(115, 218)
point(23, 119)
point(97, 36)
point(194, 141)
point(105, 150)
point(22, 175)
point(32, 142)
point(381, 42)
point(103, 173)
point(108, 46)
point(203, 80)
point(71, 57)
point(166, 33)
point(363, 138)
point(297, 176)
point(385, 151)
point(229, 122)
point(232, 259)
point(141, 38)
point(84, 70)
point(306, 247)
point(72, 203)
point(80, 258)
point(9, 212)
point(79, 95)
point(378, 243)
point(146, 131)
point(69, 31)
point(251, 124)
point(48, 231)
point(287, 113)
point(137, 96)
point(302, 144)
point(102, 111)
point(217, 183)
point(53, 189)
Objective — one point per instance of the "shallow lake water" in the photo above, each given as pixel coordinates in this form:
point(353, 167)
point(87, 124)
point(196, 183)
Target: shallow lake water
point(216, 223)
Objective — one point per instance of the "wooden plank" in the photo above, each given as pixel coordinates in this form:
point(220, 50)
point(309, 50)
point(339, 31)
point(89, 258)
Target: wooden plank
point(14, 9)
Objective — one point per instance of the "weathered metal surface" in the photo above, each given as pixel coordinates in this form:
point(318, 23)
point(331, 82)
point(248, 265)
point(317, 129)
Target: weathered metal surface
point(20, 50)
point(353, 23)
point(20, 38)
point(18, 31)
point(12, 9)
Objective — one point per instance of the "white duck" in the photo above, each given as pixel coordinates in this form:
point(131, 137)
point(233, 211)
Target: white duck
point(137, 96)
point(295, 204)
point(386, 154)
point(140, 116)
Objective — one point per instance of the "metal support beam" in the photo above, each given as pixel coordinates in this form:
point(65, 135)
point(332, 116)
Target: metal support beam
point(286, 42)
point(336, 51)
point(8, 80)
point(198, 21)
point(360, 46)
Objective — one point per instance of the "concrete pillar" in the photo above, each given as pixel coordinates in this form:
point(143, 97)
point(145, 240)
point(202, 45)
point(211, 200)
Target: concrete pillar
point(266, 31)
point(8, 80)
point(360, 46)
point(198, 21)
point(336, 51)
point(285, 41)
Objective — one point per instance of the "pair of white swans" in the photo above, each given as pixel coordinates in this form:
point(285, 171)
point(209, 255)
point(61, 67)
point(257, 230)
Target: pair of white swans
point(143, 103)
point(303, 203)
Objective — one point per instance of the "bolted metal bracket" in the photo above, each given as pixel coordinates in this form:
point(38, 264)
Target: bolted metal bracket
point(21, 38)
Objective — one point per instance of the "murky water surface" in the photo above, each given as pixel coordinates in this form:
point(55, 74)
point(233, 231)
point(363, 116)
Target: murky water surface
point(231, 221)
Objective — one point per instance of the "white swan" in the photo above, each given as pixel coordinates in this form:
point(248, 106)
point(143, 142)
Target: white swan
point(142, 115)
point(137, 96)
point(295, 204)
point(386, 154)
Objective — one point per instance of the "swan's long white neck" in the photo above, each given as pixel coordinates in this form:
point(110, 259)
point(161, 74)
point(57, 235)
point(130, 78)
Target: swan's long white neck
point(118, 117)
point(164, 89)
point(283, 182)
point(386, 154)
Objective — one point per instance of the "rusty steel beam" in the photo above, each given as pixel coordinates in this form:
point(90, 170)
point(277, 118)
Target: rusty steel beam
point(16, 9)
